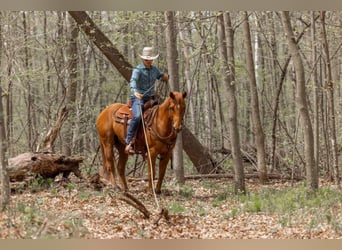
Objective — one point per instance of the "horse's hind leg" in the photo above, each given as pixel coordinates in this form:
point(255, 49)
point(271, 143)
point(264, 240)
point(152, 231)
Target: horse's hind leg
point(108, 160)
point(121, 165)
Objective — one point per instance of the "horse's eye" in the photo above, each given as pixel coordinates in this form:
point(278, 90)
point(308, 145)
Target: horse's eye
point(171, 108)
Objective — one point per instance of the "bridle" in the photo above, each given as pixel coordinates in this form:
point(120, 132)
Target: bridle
point(170, 139)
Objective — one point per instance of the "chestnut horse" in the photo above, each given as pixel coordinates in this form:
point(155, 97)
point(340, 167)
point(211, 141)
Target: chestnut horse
point(161, 134)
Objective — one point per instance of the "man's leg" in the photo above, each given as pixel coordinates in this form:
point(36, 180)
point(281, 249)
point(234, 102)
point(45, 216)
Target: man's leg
point(133, 126)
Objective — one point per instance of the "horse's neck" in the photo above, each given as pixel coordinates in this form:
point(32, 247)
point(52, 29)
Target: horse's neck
point(163, 120)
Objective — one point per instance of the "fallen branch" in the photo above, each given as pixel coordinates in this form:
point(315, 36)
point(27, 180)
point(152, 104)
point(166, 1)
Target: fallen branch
point(134, 202)
point(163, 213)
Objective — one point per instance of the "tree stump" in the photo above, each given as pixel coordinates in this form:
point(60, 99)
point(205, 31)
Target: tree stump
point(45, 164)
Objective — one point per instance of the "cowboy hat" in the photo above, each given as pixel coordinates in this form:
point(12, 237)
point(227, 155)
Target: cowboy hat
point(148, 54)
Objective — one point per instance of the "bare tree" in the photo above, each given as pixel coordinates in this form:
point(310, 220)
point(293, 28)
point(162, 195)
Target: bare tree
point(301, 103)
point(330, 94)
point(172, 62)
point(316, 91)
point(71, 93)
point(226, 48)
point(4, 180)
point(258, 130)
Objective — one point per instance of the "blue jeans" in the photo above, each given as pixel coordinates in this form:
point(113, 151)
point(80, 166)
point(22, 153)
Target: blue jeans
point(135, 122)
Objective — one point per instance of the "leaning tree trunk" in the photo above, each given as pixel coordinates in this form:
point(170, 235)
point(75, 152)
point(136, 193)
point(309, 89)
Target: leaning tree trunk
point(302, 105)
point(196, 152)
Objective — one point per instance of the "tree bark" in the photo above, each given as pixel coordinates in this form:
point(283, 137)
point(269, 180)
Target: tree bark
point(316, 90)
point(4, 180)
point(172, 63)
point(191, 146)
point(51, 136)
point(331, 107)
point(258, 130)
point(302, 105)
point(103, 43)
point(226, 53)
point(71, 94)
point(45, 164)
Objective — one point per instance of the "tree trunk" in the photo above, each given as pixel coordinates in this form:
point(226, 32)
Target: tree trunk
point(28, 84)
point(258, 130)
point(172, 63)
point(51, 136)
point(329, 86)
point(226, 53)
point(189, 82)
point(191, 146)
point(302, 104)
point(316, 90)
point(4, 180)
point(71, 94)
point(103, 43)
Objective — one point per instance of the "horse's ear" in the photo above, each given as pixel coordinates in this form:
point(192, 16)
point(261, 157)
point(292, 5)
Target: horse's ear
point(184, 94)
point(172, 95)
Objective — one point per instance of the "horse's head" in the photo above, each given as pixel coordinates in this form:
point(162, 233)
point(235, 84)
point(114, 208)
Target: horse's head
point(177, 109)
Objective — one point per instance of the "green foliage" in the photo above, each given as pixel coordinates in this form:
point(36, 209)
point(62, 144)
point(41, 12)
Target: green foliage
point(176, 207)
point(295, 205)
point(70, 187)
point(186, 191)
point(39, 183)
point(228, 164)
point(202, 211)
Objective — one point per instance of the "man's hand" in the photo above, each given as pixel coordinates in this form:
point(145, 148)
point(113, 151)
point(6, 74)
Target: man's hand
point(138, 95)
point(165, 77)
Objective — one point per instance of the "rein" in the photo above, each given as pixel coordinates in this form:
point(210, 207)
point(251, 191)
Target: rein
point(163, 139)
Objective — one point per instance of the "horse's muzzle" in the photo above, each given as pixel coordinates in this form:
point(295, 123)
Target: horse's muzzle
point(177, 129)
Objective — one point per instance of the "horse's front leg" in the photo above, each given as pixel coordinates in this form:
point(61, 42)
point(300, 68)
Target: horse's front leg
point(151, 169)
point(162, 169)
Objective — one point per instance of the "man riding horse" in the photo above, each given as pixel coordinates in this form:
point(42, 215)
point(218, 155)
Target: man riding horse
point(161, 125)
point(142, 84)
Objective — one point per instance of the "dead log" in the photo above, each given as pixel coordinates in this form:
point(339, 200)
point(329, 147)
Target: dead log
point(247, 176)
point(44, 164)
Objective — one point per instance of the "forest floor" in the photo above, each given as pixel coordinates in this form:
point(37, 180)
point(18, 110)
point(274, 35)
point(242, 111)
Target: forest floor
point(204, 209)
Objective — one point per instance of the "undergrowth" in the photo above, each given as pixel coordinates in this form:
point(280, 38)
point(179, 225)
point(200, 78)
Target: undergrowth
point(294, 205)
point(291, 205)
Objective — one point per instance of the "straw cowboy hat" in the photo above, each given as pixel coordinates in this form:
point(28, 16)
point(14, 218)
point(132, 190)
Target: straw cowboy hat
point(148, 54)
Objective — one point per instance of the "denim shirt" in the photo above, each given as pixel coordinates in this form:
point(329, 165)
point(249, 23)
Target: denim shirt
point(143, 79)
